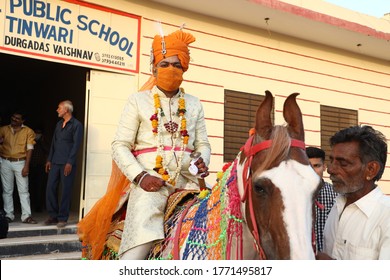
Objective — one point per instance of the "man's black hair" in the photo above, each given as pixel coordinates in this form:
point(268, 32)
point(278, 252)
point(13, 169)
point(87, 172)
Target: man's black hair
point(372, 144)
point(314, 152)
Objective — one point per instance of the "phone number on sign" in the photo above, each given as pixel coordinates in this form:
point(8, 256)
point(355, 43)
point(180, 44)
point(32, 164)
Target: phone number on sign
point(242, 270)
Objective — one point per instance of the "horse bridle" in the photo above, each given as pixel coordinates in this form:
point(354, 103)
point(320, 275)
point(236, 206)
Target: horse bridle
point(250, 151)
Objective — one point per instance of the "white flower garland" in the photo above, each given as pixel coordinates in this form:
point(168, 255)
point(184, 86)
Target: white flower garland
point(181, 133)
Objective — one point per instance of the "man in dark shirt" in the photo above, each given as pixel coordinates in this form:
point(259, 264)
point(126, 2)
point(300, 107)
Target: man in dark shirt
point(61, 164)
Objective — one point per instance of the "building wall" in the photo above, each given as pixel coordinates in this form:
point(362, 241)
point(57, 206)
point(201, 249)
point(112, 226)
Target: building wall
point(107, 94)
point(235, 57)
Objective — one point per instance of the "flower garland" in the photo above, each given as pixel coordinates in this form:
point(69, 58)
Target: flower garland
point(163, 159)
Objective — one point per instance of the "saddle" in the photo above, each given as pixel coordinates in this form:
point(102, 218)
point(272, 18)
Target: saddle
point(178, 198)
point(114, 236)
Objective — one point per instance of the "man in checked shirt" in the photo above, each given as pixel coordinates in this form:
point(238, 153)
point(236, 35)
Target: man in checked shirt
point(326, 195)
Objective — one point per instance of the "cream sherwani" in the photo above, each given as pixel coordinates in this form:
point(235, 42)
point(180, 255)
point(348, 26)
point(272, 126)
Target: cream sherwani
point(145, 210)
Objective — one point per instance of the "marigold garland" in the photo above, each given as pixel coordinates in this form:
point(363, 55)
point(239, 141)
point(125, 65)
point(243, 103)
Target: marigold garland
point(162, 161)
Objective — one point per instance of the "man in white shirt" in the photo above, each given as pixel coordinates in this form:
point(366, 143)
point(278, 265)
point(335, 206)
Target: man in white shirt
point(358, 226)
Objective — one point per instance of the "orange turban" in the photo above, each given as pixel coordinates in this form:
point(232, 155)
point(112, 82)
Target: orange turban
point(176, 43)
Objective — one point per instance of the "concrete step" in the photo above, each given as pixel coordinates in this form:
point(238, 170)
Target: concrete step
point(38, 245)
point(41, 242)
point(39, 230)
point(51, 256)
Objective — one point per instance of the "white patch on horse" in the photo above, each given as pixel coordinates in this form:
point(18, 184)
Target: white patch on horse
point(297, 186)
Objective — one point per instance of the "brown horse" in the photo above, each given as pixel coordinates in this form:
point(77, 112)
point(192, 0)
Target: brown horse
point(262, 205)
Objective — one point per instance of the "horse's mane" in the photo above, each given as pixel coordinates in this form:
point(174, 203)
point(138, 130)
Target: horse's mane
point(279, 149)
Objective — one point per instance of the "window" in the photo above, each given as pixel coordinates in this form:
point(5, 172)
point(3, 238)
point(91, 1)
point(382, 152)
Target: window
point(239, 117)
point(334, 119)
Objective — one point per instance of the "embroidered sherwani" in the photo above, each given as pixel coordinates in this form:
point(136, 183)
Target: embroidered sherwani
point(145, 210)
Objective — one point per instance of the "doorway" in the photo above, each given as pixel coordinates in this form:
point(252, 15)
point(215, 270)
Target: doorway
point(35, 87)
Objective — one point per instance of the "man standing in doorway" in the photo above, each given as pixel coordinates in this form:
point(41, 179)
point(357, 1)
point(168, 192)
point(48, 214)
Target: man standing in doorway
point(61, 164)
point(17, 145)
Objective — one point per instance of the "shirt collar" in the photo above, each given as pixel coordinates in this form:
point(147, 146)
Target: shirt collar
point(161, 94)
point(365, 203)
point(22, 126)
point(70, 120)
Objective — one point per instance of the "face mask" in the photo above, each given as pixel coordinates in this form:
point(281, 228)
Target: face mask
point(169, 78)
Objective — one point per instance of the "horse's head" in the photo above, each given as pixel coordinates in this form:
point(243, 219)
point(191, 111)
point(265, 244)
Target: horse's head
point(279, 184)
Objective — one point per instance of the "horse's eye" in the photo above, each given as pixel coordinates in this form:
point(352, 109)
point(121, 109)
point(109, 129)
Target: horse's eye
point(261, 186)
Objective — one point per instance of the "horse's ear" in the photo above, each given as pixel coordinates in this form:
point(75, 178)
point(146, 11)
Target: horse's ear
point(293, 116)
point(263, 116)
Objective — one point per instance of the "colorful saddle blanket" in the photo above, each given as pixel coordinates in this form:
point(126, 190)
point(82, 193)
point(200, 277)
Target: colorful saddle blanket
point(205, 225)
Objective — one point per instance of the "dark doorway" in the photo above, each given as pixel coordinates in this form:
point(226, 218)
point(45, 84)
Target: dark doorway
point(36, 87)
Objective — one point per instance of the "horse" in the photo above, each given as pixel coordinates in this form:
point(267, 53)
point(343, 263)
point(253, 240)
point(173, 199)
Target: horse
point(262, 206)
